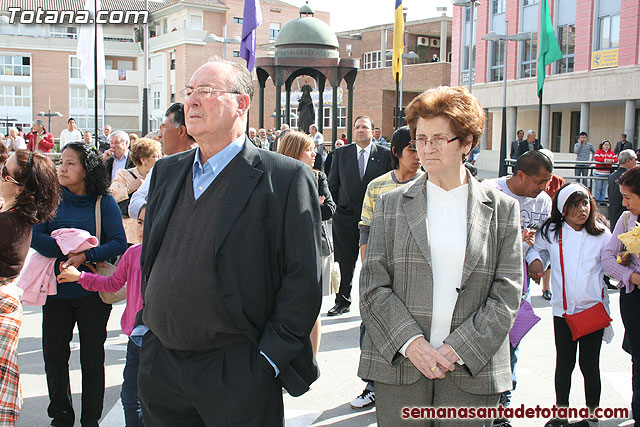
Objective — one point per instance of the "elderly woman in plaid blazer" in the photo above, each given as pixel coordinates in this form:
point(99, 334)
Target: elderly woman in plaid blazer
point(441, 281)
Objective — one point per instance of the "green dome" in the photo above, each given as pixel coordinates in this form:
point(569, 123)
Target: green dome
point(306, 31)
point(306, 10)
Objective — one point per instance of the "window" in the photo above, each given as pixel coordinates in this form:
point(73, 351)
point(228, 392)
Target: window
point(342, 117)
point(74, 67)
point(63, 32)
point(327, 117)
point(15, 65)
point(156, 100)
point(529, 61)
point(237, 20)
point(388, 60)
point(274, 29)
point(172, 65)
point(80, 98)
point(497, 6)
point(293, 122)
point(124, 64)
point(108, 64)
point(466, 45)
point(15, 96)
point(87, 121)
point(529, 2)
point(608, 32)
point(236, 54)
point(608, 24)
point(567, 41)
point(497, 60)
point(371, 60)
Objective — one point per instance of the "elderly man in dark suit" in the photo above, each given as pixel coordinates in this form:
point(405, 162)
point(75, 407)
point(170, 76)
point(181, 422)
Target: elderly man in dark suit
point(225, 333)
point(626, 160)
point(117, 156)
point(529, 144)
point(352, 169)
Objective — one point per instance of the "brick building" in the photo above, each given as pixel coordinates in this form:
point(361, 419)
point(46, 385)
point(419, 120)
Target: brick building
point(39, 70)
point(594, 88)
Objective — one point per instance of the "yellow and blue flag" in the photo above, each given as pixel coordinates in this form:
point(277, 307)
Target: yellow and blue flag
point(398, 42)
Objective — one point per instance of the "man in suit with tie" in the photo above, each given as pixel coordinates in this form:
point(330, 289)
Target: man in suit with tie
point(225, 333)
point(353, 167)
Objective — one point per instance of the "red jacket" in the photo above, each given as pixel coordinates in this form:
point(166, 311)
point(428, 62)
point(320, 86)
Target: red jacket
point(600, 156)
point(45, 145)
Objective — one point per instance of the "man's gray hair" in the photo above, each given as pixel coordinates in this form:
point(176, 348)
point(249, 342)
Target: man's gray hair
point(39, 123)
point(241, 81)
point(119, 134)
point(530, 132)
point(625, 156)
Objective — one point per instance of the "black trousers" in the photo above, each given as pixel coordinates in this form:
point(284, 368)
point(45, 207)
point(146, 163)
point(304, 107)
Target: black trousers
point(589, 360)
point(229, 386)
point(346, 239)
point(59, 316)
point(630, 311)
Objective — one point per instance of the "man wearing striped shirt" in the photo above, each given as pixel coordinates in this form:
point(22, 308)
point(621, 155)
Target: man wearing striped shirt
point(406, 169)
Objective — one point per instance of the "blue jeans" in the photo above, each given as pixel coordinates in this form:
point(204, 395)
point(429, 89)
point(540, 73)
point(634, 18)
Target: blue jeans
point(583, 171)
point(600, 188)
point(129, 393)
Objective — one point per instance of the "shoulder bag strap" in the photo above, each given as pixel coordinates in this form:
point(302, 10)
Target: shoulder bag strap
point(98, 219)
point(564, 294)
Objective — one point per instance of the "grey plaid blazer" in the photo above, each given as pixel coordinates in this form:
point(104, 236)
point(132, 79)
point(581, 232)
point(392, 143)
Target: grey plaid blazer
point(396, 288)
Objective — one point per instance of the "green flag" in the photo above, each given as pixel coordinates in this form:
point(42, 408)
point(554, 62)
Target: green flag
point(549, 50)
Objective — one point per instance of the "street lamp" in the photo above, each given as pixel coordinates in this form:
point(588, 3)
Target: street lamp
point(6, 120)
point(49, 114)
point(492, 36)
point(471, 4)
point(224, 40)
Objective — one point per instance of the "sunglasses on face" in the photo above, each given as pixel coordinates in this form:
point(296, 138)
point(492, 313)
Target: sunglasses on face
point(6, 177)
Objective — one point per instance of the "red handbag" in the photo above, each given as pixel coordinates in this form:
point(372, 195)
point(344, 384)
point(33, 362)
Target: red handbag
point(586, 321)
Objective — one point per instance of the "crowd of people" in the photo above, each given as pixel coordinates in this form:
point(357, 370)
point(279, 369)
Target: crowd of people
point(220, 235)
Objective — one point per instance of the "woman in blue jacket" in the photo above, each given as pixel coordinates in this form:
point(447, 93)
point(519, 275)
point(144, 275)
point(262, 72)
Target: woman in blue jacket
point(83, 177)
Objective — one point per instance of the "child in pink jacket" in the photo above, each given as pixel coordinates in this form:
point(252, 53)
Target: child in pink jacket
point(127, 272)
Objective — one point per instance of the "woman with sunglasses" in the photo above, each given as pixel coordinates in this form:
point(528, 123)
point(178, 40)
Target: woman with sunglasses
point(29, 188)
point(441, 280)
point(83, 177)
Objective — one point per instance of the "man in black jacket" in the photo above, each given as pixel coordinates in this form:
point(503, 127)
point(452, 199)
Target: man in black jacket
point(352, 168)
point(230, 269)
point(626, 160)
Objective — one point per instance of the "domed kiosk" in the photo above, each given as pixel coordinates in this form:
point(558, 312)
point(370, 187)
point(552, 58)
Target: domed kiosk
point(306, 46)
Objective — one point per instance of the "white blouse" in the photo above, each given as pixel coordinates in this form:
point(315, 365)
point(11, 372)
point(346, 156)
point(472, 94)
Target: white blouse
point(447, 230)
point(583, 272)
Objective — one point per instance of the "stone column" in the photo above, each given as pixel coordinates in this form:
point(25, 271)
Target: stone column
point(585, 108)
point(544, 139)
point(443, 41)
point(630, 119)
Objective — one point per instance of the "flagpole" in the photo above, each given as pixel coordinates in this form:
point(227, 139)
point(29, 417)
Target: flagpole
point(540, 118)
point(397, 112)
point(95, 71)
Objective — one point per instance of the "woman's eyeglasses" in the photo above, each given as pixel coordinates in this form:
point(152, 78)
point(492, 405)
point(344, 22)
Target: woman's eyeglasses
point(6, 177)
point(436, 141)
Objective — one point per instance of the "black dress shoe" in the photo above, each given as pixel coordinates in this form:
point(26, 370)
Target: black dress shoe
point(546, 295)
point(339, 309)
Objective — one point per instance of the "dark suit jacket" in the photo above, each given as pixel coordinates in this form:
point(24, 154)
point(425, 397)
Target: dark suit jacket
point(344, 178)
point(109, 163)
point(615, 198)
point(524, 146)
point(274, 298)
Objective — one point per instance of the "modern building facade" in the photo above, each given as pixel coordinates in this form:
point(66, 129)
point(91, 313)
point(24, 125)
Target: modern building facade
point(39, 70)
point(594, 88)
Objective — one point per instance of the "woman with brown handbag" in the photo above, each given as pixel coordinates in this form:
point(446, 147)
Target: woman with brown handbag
point(573, 239)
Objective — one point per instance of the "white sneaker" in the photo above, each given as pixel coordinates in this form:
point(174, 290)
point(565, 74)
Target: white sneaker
point(365, 399)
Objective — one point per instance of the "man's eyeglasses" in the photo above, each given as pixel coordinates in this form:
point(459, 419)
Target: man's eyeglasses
point(204, 92)
point(6, 177)
point(438, 141)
